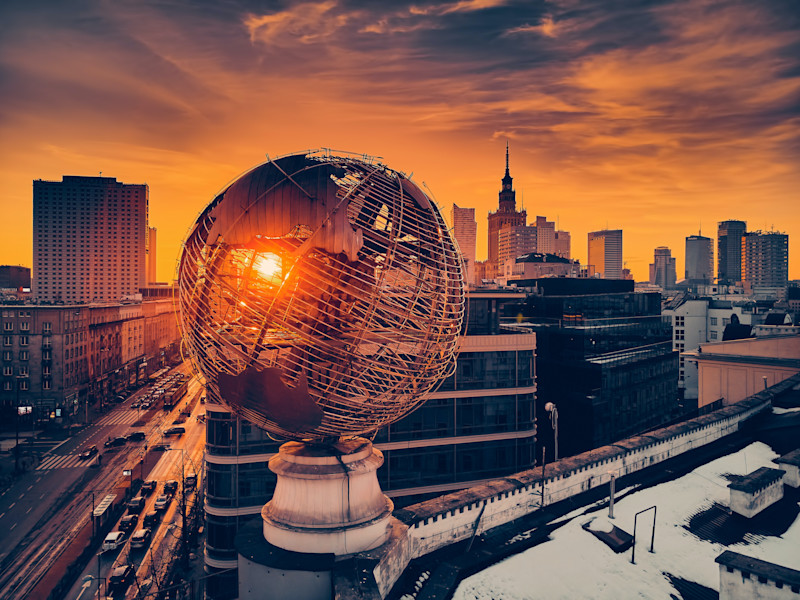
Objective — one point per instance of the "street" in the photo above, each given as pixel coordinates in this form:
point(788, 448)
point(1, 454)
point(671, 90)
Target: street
point(48, 507)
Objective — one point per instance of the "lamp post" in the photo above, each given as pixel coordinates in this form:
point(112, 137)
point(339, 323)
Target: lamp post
point(184, 536)
point(551, 408)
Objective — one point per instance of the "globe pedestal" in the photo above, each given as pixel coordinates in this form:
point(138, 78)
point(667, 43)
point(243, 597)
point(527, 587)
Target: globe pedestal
point(327, 499)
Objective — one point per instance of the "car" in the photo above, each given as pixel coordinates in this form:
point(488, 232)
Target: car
point(136, 436)
point(175, 431)
point(113, 540)
point(128, 522)
point(120, 398)
point(136, 404)
point(88, 453)
point(148, 487)
point(141, 538)
point(160, 447)
point(151, 519)
point(170, 487)
point(162, 502)
point(179, 421)
point(120, 579)
point(191, 480)
point(136, 504)
point(202, 399)
point(117, 441)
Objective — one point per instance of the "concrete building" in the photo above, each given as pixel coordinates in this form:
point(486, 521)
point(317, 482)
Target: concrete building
point(732, 370)
point(545, 236)
point(662, 269)
point(563, 244)
point(478, 425)
point(152, 247)
point(699, 266)
point(765, 258)
point(537, 265)
point(729, 251)
point(60, 359)
point(605, 253)
point(13, 277)
point(506, 215)
point(756, 491)
point(514, 241)
point(745, 578)
point(465, 231)
point(89, 239)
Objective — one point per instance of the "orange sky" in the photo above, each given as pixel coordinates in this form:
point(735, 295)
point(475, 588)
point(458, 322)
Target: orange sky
point(658, 118)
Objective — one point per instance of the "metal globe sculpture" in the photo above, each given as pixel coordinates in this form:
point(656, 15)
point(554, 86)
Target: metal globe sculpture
point(321, 296)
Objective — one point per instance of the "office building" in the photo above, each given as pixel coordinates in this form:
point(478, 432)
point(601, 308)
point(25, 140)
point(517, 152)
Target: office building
point(537, 265)
point(765, 259)
point(729, 251)
point(13, 277)
point(478, 425)
point(662, 269)
point(506, 215)
point(513, 242)
point(545, 236)
point(605, 253)
point(699, 259)
point(89, 238)
point(563, 244)
point(465, 231)
point(152, 247)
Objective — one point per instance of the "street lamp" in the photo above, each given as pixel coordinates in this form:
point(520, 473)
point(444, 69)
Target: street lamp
point(184, 536)
point(551, 408)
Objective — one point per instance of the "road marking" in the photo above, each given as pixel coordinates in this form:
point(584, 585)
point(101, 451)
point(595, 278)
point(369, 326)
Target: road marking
point(42, 496)
point(12, 527)
point(29, 510)
point(38, 479)
point(30, 486)
point(2, 515)
point(21, 496)
point(12, 505)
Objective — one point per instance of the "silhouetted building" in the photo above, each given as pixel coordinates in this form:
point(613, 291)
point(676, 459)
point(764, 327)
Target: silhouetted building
point(662, 269)
point(729, 251)
point(14, 277)
point(89, 239)
point(465, 230)
point(536, 265)
point(765, 259)
point(699, 259)
point(505, 216)
point(563, 243)
point(605, 359)
point(605, 253)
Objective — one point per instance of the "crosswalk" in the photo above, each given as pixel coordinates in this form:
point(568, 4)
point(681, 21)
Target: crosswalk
point(118, 417)
point(68, 461)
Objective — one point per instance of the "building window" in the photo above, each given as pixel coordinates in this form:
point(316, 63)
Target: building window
point(23, 355)
point(23, 340)
point(712, 335)
point(23, 370)
point(6, 340)
point(713, 320)
point(47, 327)
point(23, 385)
point(25, 326)
point(726, 321)
point(8, 370)
point(8, 326)
point(46, 370)
point(7, 386)
point(7, 355)
point(45, 384)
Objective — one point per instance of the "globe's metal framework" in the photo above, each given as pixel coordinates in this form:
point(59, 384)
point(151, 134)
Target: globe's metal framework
point(323, 294)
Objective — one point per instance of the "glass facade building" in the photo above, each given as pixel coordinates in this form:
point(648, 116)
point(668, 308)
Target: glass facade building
point(478, 425)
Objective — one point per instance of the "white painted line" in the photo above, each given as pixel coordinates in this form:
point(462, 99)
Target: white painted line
point(42, 496)
point(21, 496)
point(12, 505)
point(2, 515)
point(12, 527)
point(29, 510)
point(30, 486)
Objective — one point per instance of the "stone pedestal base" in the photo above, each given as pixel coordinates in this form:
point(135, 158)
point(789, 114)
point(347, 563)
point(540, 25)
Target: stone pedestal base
point(327, 499)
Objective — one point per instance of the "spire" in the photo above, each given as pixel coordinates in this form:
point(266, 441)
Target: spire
point(507, 158)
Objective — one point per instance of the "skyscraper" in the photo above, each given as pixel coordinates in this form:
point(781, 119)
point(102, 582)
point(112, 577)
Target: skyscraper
point(89, 236)
point(563, 244)
point(514, 241)
point(765, 259)
point(729, 251)
point(505, 216)
point(699, 259)
point(662, 269)
point(465, 230)
point(545, 236)
point(605, 253)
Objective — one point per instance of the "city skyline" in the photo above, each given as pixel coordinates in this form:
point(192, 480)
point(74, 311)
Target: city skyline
point(611, 115)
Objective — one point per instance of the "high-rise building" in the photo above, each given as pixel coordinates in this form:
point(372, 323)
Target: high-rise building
point(563, 244)
point(605, 253)
point(729, 251)
point(465, 230)
point(14, 276)
point(152, 248)
point(662, 269)
point(506, 215)
point(765, 259)
point(513, 242)
point(89, 236)
point(545, 236)
point(699, 259)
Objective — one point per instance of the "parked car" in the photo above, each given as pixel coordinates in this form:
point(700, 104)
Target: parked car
point(141, 538)
point(88, 453)
point(136, 504)
point(148, 487)
point(136, 436)
point(151, 519)
point(136, 404)
point(170, 487)
point(191, 480)
point(162, 502)
point(175, 431)
point(120, 579)
point(113, 540)
point(128, 522)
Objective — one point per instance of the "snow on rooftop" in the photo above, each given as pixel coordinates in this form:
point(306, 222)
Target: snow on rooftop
point(575, 564)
